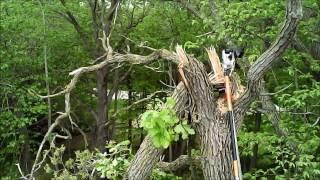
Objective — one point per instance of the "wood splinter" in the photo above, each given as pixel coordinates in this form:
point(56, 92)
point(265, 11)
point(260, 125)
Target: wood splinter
point(183, 60)
point(217, 78)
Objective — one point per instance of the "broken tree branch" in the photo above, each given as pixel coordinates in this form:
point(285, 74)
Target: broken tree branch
point(139, 101)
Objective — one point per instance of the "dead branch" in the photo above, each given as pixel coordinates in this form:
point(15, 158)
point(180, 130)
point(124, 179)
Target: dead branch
point(275, 93)
point(129, 58)
point(36, 166)
point(138, 102)
point(317, 121)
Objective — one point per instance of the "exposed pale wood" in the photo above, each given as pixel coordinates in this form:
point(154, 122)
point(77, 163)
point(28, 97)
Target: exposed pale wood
point(216, 66)
point(183, 61)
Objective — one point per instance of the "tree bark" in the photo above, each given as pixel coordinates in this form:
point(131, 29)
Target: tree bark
point(101, 132)
point(144, 161)
point(148, 156)
point(209, 121)
point(102, 74)
point(208, 114)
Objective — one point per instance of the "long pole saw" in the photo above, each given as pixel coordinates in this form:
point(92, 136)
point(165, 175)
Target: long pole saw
point(228, 57)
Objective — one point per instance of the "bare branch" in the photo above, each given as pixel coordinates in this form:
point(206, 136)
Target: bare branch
point(62, 137)
point(272, 94)
point(35, 165)
point(317, 121)
point(138, 102)
point(20, 171)
point(116, 84)
point(271, 55)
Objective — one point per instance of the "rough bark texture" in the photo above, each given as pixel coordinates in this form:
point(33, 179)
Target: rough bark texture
point(145, 159)
point(208, 114)
point(181, 162)
point(148, 156)
point(102, 74)
point(210, 122)
point(101, 134)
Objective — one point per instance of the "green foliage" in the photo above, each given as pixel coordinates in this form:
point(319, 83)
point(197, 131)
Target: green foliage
point(164, 126)
point(18, 111)
point(286, 163)
point(115, 166)
point(299, 98)
point(87, 164)
point(283, 157)
point(160, 175)
point(159, 24)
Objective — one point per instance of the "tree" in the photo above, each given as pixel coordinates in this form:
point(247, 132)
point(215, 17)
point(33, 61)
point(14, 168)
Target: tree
point(209, 119)
point(277, 111)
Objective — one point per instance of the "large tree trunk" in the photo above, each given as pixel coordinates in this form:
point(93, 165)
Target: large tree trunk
point(208, 114)
point(101, 132)
point(145, 159)
point(102, 74)
point(215, 149)
point(148, 156)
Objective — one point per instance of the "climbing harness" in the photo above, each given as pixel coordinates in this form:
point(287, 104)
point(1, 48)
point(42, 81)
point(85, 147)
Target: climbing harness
point(229, 57)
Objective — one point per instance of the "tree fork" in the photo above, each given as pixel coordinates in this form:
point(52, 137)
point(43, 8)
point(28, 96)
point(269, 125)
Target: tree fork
point(210, 122)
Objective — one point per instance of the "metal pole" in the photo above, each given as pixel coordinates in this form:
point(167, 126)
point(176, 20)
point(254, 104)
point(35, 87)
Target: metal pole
point(234, 144)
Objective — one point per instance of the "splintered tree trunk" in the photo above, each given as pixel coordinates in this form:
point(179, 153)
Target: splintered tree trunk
point(209, 118)
point(208, 113)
